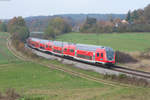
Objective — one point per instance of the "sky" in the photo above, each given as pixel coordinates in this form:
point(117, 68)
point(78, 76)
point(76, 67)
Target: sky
point(25, 8)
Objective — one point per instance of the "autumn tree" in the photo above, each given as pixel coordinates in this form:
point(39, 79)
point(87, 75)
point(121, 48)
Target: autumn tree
point(18, 29)
point(89, 25)
point(147, 13)
point(57, 26)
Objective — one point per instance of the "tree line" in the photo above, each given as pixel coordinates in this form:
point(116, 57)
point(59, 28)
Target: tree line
point(135, 21)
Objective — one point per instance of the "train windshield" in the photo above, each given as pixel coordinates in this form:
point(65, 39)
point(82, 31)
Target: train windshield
point(110, 54)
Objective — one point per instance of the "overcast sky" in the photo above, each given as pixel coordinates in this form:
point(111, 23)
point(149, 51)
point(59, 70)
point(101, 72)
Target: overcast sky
point(11, 8)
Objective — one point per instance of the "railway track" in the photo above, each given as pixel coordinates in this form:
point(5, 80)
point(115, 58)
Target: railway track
point(134, 72)
point(122, 70)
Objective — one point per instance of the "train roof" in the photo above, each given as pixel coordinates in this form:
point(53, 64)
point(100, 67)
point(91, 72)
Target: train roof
point(44, 41)
point(35, 39)
point(78, 46)
point(89, 47)
point(59, 43)
point(40, 40)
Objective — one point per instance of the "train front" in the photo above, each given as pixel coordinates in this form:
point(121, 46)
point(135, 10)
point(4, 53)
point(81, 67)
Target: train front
point(110, 54)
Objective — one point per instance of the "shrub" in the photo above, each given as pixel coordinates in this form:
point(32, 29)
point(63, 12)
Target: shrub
point(10, 94)
point(122, 78)
point(124, 58)
point(145, 54)
point(32, 98)
point(21, 47)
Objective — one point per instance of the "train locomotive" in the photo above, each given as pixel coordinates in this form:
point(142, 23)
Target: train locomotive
point(82, 52)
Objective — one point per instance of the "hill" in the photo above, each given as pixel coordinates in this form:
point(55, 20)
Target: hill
point(39, 23)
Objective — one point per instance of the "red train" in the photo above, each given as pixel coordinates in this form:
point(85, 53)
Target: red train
point(88, 53)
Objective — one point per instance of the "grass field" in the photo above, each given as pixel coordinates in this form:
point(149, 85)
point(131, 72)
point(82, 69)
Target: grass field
point(119, 41)
point(34, 80)
point(5, 54)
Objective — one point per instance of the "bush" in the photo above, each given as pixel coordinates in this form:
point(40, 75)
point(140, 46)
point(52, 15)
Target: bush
point(10, 94)
point(21, 47)
point(32, 98)
point(124, 58)
point(122, 78)
point(145, 54)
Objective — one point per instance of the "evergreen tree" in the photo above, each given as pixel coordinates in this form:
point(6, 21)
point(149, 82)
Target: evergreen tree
point(128, 18)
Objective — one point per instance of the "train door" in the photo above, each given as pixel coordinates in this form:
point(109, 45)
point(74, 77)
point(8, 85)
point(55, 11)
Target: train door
point(99, 56)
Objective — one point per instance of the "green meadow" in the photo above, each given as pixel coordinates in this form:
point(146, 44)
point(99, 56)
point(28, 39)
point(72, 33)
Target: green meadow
point(128, 42)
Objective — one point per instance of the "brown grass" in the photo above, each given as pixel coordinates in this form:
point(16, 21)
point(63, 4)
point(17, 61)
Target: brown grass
point(122, 78)
point(10, 94)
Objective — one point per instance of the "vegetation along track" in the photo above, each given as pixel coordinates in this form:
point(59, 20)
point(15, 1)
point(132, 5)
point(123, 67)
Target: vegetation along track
point(145, 75)
point(75, 73)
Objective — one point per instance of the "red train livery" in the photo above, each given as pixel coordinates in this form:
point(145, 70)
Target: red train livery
point(88, 53)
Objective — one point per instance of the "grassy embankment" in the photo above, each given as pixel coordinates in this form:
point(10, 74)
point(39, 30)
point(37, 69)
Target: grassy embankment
point(119, 41)
point(36, 80)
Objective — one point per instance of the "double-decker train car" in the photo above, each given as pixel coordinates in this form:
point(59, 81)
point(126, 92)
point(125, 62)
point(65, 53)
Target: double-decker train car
point(88, 53)
point(69, 50)
point(33, 42)
point(48, 46)
point(95, 54)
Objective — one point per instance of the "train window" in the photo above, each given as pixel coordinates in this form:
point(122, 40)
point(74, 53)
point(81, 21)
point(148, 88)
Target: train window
point(46, 46)
point(102, 54)
point(33, 45)
point(50, 46)
point(84, 56)
point(97, 54)
point(57, 51)
point(41, 47)
point(65, 49)
point(71, 50)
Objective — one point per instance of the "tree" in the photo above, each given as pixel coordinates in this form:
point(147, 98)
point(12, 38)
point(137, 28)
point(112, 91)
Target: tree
point(89, 25)
point(91, 21)
point(3, 27)
point(18, 29)
point(147, 13)
point(135, 15)
point(49, 32)
point(128, 18)
point(57, 26)
point(22, 33)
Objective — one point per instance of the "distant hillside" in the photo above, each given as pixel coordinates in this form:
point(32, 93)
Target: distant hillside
point(39, 23)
